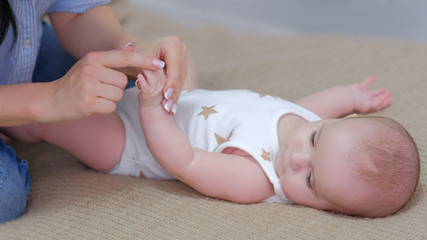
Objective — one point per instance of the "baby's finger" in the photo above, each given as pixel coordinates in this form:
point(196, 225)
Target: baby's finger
point(387, 97)
point(142, 83)
point(383, 101)
point(137, 81)
point(378, 92)
point(149, 77)
point(367, 82)
point(153, 79)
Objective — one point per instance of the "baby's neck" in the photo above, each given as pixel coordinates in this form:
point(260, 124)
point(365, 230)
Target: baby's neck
point(286, 123)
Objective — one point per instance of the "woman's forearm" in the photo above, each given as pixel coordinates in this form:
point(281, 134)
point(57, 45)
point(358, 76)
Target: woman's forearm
point(23, 103)
point(97, 29)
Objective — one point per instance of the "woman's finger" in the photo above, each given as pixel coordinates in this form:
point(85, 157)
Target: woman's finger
point(112, 77)
point(109, 92)
point(175, 55)
point(122, 59)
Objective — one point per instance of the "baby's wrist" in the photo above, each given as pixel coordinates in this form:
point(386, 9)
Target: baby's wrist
point(146, 106)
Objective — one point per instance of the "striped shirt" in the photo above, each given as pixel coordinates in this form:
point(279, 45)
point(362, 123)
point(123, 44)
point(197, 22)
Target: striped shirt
point(17, 64)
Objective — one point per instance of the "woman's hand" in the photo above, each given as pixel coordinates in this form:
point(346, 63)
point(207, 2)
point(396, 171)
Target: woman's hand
point(91, 85)
point(365, 101)
point(174, 53)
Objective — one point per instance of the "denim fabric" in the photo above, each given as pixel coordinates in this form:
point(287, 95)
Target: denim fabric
point(14, 184)
point(53, 61)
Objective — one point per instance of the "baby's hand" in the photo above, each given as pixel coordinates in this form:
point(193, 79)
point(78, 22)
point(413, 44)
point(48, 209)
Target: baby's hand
point(151, 84)
point(366, 101)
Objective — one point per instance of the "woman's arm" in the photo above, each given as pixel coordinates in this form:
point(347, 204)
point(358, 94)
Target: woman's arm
point(23, 103)
point(343, 100)
point(90, 86)
point(76, 33)
point(219, 175)
point(97, 29)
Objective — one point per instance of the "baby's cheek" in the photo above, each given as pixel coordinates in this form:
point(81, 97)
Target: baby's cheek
point(294, 191)
point(286, 190)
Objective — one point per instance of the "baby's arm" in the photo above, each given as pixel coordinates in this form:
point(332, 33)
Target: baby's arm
point(225, 176)
point(343, 100)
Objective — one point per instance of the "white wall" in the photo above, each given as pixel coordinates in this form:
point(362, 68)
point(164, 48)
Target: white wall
point(396, 19)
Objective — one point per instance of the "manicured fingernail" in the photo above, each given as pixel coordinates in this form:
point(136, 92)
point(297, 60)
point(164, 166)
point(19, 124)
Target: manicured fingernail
point(174, 107)
point(136, 84)
point(158, 63)
point(129, 44)
point(168, 93)
point(168, 105)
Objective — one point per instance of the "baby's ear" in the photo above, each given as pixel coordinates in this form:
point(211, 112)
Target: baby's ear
point(352, 115)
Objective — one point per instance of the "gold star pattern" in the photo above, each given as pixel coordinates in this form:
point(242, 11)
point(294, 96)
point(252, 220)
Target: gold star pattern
point(220, 140)
point(261, 95)
point(207, 111)
point(265, 155)
point(141, 174)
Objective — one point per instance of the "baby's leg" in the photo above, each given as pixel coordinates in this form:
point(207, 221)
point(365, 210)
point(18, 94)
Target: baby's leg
point(23, 133)
point(97, 141)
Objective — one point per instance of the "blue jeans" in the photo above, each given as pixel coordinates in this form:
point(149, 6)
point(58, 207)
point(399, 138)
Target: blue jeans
point(14, 184)
point(52, 63)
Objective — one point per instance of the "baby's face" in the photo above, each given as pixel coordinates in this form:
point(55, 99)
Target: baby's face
point(314, 166)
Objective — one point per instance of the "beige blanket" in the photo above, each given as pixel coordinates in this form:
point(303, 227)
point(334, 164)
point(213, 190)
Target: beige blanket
point(70, 201)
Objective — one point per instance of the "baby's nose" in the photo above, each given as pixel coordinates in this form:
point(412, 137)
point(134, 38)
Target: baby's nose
point(299, 160)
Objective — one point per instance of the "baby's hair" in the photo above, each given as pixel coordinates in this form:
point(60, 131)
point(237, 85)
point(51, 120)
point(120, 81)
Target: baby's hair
point(388, 162)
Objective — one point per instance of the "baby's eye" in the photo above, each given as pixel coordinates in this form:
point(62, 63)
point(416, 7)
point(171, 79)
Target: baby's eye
point(312, 138)
point(308, 180)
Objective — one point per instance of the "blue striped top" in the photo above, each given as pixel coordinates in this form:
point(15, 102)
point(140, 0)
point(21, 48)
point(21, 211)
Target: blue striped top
point(17, 64)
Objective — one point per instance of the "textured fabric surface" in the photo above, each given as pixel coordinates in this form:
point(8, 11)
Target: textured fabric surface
point(69, 201)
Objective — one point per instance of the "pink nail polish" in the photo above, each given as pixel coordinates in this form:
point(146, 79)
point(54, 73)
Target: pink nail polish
point(136, 84)
point(158, 63)
point(168, 105)
point(127, 45)
point(168, 93)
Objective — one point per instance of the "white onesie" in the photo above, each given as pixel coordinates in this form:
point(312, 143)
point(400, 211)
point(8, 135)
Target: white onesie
point(213, 121)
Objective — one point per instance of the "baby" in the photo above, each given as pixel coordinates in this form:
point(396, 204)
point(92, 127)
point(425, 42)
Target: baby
point(246, 147)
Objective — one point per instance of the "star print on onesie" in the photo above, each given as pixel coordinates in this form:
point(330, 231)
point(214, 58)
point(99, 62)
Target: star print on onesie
point(220, 140)
point(213, 121)
point(248, 119)
point(207, 111)
point(265, 155)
